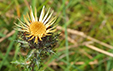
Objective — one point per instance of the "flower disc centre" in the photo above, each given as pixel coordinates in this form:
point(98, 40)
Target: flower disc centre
point(37, 28)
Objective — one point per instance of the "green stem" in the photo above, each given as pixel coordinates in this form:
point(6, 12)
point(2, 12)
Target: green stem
point(66, 35)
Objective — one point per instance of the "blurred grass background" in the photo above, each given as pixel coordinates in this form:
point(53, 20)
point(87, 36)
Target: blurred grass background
point(92, 17)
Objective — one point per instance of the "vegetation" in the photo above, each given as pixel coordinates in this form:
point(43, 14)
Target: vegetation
point(85, 42)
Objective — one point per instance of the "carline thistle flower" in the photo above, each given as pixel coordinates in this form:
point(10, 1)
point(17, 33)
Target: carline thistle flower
point(37, 28)
point(37, 36)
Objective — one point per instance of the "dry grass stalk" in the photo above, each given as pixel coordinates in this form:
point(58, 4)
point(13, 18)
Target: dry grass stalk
point(8, 35)
point(99, 50)
point(85, 36)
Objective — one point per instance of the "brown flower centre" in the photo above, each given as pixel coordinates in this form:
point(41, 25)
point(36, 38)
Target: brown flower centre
point(37, 28)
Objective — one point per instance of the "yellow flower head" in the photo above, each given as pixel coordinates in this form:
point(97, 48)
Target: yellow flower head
point(37, 28)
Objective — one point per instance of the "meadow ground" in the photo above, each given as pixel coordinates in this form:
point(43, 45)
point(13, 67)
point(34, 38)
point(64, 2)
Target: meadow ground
point(85, 42)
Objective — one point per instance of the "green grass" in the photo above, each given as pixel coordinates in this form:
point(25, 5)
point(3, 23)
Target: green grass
point(93, 17)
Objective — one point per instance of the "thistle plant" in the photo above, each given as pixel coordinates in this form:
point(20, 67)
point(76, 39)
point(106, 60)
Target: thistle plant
point(38, 36)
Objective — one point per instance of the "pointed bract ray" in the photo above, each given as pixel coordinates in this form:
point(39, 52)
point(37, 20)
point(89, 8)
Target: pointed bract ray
point(17, 25)
point(36, 40)
point(29, 35)
point(23, 23)
point(50, 31)
point(22, 30)
point(21, 26)
point(48, 18)
point(52, 27)
point(31, 38)
point(40, 37)
point(48, 34)
point(28, 17)
point(26, 21)
point(35, 15)
point(46, 15)
point(50, 22)
point(32, 16)
point(42, 14)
